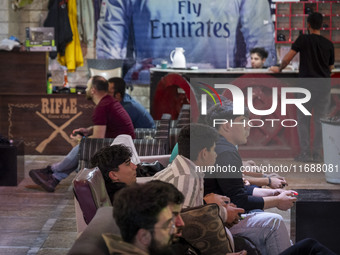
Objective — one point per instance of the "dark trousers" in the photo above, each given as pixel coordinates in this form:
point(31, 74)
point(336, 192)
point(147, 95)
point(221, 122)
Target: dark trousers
point(308, 246)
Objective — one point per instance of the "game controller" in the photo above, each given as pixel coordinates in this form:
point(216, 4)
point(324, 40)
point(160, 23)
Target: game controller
point(78, 133)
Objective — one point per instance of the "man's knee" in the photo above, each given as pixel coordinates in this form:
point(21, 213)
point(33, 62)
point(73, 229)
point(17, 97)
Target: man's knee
point(272, 220)
point(273, 216)
point(276, 216)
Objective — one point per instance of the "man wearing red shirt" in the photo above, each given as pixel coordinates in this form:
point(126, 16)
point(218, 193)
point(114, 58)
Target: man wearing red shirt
point(109, 120)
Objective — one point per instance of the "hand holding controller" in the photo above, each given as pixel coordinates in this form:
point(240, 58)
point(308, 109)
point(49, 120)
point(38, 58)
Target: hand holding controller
point(77, 133)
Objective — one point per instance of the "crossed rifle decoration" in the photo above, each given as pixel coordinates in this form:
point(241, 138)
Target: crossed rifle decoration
point(58, 130)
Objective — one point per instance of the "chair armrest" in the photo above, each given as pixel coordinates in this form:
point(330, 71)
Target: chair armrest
point(91, 241)
point(90, 192)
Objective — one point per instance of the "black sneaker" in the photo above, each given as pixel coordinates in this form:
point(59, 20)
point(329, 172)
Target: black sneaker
point(44, 179)
point(304, 157)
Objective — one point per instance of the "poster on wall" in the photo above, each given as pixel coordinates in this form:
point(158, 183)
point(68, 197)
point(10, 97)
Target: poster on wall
point(213, 34)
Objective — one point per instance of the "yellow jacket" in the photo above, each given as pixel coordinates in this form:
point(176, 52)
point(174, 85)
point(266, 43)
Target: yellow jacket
point(73, 54)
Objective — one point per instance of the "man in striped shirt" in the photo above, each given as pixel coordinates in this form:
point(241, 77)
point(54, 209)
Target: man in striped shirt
point(196, 148)
point(182, 172)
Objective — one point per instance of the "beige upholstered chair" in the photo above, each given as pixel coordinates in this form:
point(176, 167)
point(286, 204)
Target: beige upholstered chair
point(108, 68)
point(90, 241)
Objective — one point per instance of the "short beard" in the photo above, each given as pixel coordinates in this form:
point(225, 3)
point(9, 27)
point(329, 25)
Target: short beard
point(88, 97)
point(156, 249)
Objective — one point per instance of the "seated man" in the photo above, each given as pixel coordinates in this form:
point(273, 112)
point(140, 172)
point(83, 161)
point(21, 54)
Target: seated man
point(116, 167)
point(109, 119)
point(148, 216)
point(258, 57)
point(138, 114)
point(231, 183)
point(196, 148)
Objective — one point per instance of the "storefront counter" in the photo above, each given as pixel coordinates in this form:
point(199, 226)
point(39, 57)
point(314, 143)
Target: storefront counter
point(224, 72)
point(171, 88)
point(157, 74)
point(183, 78)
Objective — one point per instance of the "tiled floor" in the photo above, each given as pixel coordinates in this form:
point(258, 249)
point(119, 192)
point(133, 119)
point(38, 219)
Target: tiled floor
point(36, 222)
point(33, 221)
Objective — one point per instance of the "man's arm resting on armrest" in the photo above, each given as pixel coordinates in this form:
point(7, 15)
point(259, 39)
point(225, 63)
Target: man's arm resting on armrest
point(85, 131)
point(89, 130)
point(98, 131)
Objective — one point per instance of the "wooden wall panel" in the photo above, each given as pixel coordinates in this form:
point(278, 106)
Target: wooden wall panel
point(44, 122)
point(23, 72)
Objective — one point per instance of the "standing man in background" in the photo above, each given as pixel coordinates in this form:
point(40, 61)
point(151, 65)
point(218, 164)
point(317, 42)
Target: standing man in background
point(316, 61)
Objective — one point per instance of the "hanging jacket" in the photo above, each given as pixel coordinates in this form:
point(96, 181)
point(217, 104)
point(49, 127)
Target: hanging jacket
point(73, 55)
point(57, 17)
point(86, 24)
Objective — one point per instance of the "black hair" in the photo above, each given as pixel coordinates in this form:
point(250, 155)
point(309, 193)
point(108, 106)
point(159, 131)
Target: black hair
point(100, 83)
point(260, 51)
point(120, 86)
point(210, 103)
point(139, 205)
point(109, 158)
point(195, 137)
point(315, 20)
point(224, 111)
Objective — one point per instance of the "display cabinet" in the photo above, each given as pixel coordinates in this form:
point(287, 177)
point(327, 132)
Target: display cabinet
point(291, 19)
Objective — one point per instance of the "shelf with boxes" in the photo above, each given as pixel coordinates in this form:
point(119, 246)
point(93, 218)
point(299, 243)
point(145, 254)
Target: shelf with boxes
point(291, 19)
